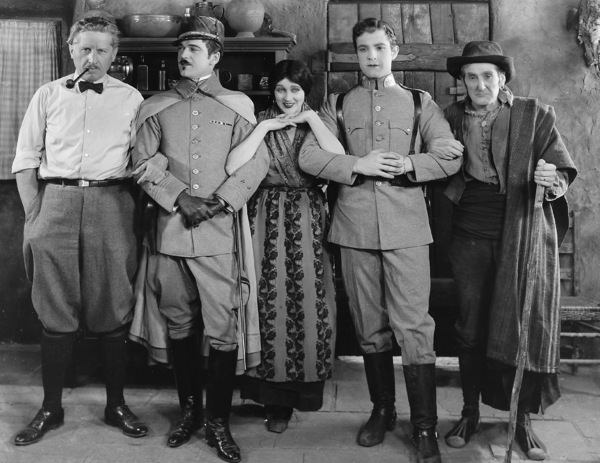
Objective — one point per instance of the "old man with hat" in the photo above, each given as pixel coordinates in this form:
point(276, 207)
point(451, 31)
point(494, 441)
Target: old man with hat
point(511, 145)
point(183, 141)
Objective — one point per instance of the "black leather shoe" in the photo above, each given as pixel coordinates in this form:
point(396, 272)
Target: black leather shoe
point(382, 419)
point(121, 417)
point(42, 422)
point(191, 420)
point(530, 443)
point(219, 436)
point(461, 433)
point(425, 441)
point(277, 418)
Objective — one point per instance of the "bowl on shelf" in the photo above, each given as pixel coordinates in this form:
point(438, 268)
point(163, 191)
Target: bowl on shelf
point(151, 25)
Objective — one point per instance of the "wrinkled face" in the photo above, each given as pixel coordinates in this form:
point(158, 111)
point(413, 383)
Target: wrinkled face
point(289, 96)
point(483, 82)
point(193, 59)
point(94, 51)
point(375, 54)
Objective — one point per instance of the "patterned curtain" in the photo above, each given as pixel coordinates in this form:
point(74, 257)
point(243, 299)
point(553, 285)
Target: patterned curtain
point(29, 57)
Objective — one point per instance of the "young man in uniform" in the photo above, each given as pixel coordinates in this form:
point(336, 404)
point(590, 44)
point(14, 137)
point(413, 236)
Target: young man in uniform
point(381, 224)
point(183, 142)
point(72, 169)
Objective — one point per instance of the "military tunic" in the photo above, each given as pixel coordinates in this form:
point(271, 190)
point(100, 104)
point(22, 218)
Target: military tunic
point(196, 265)
point(383, 230)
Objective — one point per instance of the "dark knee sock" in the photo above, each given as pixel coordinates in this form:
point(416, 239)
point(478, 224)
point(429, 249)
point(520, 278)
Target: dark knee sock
point(114, 362)
point(57, 350)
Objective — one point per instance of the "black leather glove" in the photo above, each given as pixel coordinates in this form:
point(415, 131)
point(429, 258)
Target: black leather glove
point(196, 209)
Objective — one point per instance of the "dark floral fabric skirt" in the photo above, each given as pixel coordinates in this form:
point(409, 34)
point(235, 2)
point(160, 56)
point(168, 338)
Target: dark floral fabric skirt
point(296, 298)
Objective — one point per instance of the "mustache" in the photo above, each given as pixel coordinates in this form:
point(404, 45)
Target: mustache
point(184, 61)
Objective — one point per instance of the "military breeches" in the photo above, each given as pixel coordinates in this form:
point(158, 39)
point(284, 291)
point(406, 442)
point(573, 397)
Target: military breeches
point(388, 293)
point(188, 288)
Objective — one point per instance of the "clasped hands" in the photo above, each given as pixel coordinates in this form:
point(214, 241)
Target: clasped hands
point(196, 209)
point(285, 120)
point(380, 163)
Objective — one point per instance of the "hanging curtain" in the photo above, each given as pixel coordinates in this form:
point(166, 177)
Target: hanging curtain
point(29, 57)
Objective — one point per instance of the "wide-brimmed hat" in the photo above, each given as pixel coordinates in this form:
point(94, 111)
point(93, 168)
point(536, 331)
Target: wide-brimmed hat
point(204, 28)
point(482, 51)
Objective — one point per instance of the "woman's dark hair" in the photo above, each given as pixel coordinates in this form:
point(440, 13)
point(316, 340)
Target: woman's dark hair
point(293, 70)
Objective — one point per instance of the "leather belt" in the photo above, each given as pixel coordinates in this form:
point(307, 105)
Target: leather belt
point(84, 183)
point(398, 180)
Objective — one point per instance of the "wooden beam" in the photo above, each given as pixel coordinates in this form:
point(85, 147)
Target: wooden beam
point(411, 57)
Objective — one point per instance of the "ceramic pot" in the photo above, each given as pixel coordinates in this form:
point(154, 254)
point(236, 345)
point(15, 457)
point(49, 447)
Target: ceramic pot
point(245, 16)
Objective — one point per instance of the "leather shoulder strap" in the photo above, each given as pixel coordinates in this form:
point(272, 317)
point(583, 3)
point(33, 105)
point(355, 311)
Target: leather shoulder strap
point(339, 113)
point(417, 117)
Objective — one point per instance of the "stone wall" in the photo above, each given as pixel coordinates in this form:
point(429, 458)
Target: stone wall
point(550, 66)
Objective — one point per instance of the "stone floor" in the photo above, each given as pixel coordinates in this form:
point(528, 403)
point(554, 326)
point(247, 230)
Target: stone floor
point(570, 428)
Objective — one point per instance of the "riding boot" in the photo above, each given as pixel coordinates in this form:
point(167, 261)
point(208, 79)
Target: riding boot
point(185, 356)
point(421, 392)
point(219, 394)
point(379, 370)
point(471, 367)
point(56, 350)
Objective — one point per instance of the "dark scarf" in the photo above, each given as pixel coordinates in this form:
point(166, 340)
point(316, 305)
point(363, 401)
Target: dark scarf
point(283, 151)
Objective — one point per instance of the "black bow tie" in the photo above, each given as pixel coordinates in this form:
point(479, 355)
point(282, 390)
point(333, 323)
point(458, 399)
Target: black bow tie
point(83, 86)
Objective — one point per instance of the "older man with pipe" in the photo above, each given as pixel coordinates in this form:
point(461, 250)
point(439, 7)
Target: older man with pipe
point(73, 176)
point(511, 145)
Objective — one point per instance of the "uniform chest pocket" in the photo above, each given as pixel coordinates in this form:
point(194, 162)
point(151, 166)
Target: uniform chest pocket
point(400, 135)
point(356, 136)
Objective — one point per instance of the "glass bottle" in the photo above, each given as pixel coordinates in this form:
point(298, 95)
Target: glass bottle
point(142, 75)
point(162, 75)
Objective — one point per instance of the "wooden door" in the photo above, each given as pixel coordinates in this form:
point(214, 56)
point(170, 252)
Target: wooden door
point(428, 32)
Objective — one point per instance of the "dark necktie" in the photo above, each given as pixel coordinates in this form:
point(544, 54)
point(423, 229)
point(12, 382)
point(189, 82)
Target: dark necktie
point(83, 86)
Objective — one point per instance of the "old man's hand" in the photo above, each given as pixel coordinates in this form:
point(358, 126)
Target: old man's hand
point(446, 148)
point(545, 174)
point(197, 209)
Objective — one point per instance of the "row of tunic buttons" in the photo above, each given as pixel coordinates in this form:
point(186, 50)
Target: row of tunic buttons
point(195, 186)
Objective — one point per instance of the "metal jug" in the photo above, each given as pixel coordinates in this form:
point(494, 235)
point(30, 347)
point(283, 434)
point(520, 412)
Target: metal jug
point(208, 9)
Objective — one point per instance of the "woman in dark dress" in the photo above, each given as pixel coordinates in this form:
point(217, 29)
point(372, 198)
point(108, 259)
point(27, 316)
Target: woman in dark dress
point(288, 220)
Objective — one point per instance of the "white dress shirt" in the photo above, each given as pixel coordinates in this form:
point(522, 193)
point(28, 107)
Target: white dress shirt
point(69, 134)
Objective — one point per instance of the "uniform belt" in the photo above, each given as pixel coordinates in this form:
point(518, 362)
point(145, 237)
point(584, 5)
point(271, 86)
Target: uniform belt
point(83, 182)
point(398, 180)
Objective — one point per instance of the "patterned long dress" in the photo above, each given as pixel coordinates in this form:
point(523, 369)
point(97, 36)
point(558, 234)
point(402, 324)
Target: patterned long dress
point(296, 298)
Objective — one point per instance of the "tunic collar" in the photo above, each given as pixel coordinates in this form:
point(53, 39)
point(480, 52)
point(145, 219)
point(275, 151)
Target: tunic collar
point(377, 84)
point(187, 87)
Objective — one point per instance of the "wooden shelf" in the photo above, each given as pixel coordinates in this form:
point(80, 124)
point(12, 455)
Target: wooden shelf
point(232, 44)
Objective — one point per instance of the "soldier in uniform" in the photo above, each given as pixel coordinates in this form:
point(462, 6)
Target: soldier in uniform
point(193, 127)
point(381, 224)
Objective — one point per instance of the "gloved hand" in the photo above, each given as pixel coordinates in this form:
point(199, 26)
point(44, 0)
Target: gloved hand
point(196, 209)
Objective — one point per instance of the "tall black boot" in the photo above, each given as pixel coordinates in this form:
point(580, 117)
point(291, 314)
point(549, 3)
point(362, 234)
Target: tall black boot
point(219, 394)
point(113, 347)
point(420, 389)
point(57, 349)
point(471, 366)
point(379, 369)
point(187, 368)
